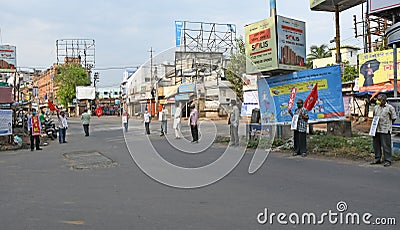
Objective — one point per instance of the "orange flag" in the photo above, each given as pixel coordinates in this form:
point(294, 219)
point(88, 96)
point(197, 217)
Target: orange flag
point(312, 98)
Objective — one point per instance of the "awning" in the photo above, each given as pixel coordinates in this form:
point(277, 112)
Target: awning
point(329, 5)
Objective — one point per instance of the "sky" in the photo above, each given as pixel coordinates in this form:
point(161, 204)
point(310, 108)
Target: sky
point(124, 30)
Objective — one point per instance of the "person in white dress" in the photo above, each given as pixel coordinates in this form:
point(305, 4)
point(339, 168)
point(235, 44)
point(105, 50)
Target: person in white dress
point(177, 121)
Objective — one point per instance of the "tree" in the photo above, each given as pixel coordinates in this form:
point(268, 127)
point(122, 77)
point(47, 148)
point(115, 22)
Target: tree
point(321, 51)
point(350, 72)
point(236, 67)
point(67, 78)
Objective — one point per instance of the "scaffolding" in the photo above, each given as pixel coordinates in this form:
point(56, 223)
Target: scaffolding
point(80, 51)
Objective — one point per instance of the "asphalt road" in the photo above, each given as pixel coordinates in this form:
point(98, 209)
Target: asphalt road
point(93, 183)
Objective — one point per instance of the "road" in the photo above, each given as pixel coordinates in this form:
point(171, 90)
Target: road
point(60, 188)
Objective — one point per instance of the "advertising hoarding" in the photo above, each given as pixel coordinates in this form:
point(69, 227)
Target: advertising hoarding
point(375, 6)
point(8, 60)
point(291, 43)
point(261, 46)
point(274, 95)
point(275, 44)
point(85, 92)
point(178, 33)
point(250, 102)
point(376, 68)
point(5, 122)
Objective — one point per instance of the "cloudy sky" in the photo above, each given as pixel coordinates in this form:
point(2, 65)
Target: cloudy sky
point(124, 30)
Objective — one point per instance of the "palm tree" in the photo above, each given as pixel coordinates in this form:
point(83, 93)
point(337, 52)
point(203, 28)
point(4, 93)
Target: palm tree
point(319, 52)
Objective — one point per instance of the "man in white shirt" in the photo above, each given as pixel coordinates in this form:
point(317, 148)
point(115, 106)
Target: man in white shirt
point(177, 121)
point(62, 126)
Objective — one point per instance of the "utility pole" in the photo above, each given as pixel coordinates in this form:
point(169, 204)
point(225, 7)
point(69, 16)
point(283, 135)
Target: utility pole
point(394, 60)
point(151, 84)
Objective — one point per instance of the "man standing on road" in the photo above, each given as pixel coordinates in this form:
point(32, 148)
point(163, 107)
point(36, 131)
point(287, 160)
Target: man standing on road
point(62, 127)
point(234, 119)
point(382, 141)
point(125, 119)
point(147, 118)
point(177, 121)
point(85, 122)
point(300, 132)
point(163, 118)
point(193, 121)
point(34, 126)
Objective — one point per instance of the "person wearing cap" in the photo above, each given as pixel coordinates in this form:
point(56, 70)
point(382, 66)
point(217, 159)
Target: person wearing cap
point(234, 119)
point(382, 141)
point(193, 121)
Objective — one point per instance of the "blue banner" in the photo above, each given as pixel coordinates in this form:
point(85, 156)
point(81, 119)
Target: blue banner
point(178, 32)
point(274, 94)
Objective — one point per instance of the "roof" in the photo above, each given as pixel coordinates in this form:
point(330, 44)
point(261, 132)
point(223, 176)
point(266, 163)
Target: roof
point(329, 5)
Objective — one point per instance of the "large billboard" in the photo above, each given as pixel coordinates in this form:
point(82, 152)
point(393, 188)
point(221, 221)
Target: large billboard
point(376, 68)
point(375, 6)
point(274, 94)
point(8, 60)
point(261, 46)
point(85, 92)
point(275, 43)
point(291, 43)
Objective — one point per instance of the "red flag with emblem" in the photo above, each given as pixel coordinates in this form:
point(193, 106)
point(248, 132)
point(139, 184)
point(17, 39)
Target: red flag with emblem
point(99, 111)
point(312, 98)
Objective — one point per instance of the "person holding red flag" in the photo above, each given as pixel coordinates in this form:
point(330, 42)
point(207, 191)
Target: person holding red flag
point(34, 126)
point(299, 124)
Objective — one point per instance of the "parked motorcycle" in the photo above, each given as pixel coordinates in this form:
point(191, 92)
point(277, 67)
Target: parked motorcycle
point(50, 128)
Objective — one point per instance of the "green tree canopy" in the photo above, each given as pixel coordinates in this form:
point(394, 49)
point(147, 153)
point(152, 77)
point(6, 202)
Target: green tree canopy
point(317, 52)
point(350, 72)
point(236, 67)
point(68, 77)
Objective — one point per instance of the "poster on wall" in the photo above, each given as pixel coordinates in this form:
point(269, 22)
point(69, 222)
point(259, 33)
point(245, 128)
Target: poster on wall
point(8, 60)
point(274, 95)
point(376, 69)
point(5, 122)
point(250, 102)
point(291, 43)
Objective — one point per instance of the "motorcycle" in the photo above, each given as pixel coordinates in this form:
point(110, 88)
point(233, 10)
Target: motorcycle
point(50, 128)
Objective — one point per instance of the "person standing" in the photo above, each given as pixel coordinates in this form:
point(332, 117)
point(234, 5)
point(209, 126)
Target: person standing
point(300, 132)
point(125, 119)
point(234, 119)
point(177, 121)
point(42, 118)
point(85, 122)
point(34, 126)
point(147, 118)
point(382, 141)
point(62, 127)
point(193, 120)
point(164, 119)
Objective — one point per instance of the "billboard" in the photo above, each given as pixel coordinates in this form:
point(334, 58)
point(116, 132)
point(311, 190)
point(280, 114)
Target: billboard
point(178, 33)
point(85, 92)
point(8, 60)
point(5, 122)
point(376, 68)
point(274, 94)
point(275, 43)
point(260, 40)
point(375, 6)
point(250, 102)
point(291, 43)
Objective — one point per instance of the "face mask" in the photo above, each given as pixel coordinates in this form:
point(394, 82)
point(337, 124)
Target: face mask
point(34, 113)
point(378, 102)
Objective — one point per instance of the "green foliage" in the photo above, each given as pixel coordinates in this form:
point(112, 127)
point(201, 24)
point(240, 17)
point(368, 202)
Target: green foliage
point(350, 72)
point(68, 77)
point(317, 52)
point(236, 67)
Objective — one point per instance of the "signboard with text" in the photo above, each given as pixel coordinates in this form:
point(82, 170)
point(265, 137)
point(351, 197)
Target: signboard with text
point(8, 60)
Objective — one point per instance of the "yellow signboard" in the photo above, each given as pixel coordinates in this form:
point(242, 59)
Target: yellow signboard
point(301, 87)
point(261, 46)
point(375, 68)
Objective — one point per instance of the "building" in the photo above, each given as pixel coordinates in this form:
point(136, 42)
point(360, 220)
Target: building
point(348, 53)
point(46, 87)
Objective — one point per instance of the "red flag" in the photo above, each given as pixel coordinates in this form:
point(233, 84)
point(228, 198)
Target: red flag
point(292, 97)
point(312, 98)
point(52, 107)
point(99, 111)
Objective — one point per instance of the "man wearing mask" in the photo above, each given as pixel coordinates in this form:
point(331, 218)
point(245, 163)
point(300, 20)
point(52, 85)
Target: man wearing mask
point(382, 141)
point(300, 132)
point(85, 122)
point(34, 126)
point(193, 121)
point(164, 119)
point(62, 126)
point(177, 121)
